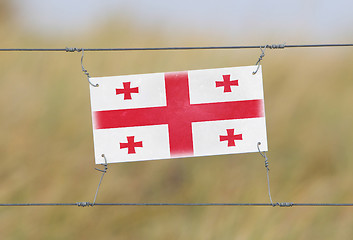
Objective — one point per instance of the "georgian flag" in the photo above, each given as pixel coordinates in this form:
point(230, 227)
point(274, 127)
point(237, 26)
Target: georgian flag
point(180, 114)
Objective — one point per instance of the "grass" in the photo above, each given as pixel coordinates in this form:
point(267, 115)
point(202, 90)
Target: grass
point(47, 148)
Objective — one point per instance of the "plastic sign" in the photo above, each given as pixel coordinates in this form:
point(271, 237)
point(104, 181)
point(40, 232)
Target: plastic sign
point(179, 114)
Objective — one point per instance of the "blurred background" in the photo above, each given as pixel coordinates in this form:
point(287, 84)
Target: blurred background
point(46, 134)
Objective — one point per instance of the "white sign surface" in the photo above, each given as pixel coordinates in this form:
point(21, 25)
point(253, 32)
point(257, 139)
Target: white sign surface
point(180, 114)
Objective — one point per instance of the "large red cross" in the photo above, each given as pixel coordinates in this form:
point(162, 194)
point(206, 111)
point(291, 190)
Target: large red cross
point(127, 90)
point(227, 83)
point(230, 137)
point(178, 114)
point(131, 144)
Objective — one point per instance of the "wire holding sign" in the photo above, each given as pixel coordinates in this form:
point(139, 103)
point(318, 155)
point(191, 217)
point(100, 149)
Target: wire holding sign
point(260, 59)
point(263, 154)
point(85, 71)
point(103, 172)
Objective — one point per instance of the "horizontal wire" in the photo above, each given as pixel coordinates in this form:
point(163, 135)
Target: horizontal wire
point(35, 204)
point(273, 46)
point(85, 204)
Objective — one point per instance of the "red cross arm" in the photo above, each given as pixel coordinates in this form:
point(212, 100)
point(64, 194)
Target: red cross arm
point(197, 113)
point(129, 117)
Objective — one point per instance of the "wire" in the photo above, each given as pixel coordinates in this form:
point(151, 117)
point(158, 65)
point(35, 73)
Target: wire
point(104, 171)
point(87, 204)
point(273, 46)
point(35, 204)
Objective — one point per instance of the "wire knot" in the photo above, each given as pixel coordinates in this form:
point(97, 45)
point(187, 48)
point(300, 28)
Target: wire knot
point(105, 164)
point(68, 49)
point(267, 164)
point(283, 204)
point(84, 204)
point(276, 46)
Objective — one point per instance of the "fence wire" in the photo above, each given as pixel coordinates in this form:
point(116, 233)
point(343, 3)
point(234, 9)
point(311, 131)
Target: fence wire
point(270, 46)
point(88, 204)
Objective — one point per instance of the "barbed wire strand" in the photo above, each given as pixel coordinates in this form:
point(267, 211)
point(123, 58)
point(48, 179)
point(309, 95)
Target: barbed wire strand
point(272, 46)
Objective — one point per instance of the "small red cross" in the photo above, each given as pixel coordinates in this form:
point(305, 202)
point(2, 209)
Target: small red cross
point(127, 90)
point(227, 83)
point(230, 137)
point(131, 144)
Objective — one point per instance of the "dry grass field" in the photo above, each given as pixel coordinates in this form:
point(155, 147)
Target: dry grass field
point(47, 148)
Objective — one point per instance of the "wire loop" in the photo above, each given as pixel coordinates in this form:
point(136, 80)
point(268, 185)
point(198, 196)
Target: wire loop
point(84, 70)
point(260, 59)
point(263, 48)
point(103, 172)
point(263, 154)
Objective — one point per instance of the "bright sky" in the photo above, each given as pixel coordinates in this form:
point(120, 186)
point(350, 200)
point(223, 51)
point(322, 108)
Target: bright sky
point(312, 20)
